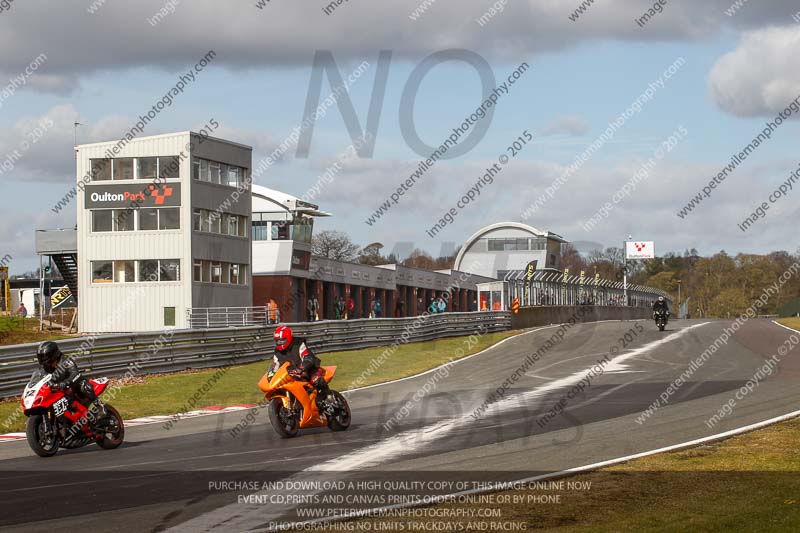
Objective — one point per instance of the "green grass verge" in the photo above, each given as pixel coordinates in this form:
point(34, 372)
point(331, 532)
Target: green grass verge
point(746, 483)
point(168, 394)
point(793, 323)
point(16, 330)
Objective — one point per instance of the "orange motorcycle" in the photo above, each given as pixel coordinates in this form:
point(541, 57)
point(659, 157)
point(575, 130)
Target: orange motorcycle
point(293, 403)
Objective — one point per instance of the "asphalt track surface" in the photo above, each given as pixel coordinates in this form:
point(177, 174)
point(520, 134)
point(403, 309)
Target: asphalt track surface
point(175, 480)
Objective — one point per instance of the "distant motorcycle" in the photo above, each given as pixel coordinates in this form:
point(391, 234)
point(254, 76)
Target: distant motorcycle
point(661, 318)
point(293, 403)
point(56, 419)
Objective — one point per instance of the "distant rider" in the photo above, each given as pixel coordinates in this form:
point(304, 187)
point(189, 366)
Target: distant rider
point(64, 373)
point(303, 364)
point(661, 306)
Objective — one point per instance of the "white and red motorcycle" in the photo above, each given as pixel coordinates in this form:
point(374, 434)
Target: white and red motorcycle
point(56, 419)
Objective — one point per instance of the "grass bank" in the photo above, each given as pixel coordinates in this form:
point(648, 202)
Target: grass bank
point(793, 323)
point(168, 394)
point(16, 330)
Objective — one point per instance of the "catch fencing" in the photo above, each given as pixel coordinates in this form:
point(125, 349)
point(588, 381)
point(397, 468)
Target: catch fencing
point(173, 351)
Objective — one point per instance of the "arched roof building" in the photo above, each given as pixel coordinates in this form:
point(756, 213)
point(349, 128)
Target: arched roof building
point(496, 249)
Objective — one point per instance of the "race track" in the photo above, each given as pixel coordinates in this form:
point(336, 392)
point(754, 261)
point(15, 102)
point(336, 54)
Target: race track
point(176, 479)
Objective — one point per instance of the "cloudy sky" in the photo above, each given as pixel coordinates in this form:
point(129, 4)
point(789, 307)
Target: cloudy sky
point(104, 63)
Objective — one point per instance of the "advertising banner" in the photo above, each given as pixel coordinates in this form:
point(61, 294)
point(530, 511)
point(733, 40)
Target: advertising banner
point(640, 250)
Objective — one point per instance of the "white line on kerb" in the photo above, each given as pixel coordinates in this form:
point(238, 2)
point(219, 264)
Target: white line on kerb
point(785, 327)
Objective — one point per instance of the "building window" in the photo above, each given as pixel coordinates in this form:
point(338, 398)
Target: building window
point(123, 219)
point(233, 225)
point(169, 167)
point(507, 245)
point(101, 220)
point(280, 231)
point(102, 272)
point(148, 219)
point(234, 174)
point(260, 231)
point(169, 316)
point(214, 171)
point(101, 169)
point(124, 271)
point(196, 219)
point(147, 168)
point(148, 271)
point(123, 168)
point(170, 270)
point(219, 272)
point(169, 218)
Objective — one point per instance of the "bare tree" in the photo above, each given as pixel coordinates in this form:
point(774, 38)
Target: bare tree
point(371, 255)
point(334, 245)
point(420, 259)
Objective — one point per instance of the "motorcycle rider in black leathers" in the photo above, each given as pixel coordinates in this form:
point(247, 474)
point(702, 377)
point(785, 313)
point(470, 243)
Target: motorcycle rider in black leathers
point(661, 306)
point(303, 364)
point(65, 374)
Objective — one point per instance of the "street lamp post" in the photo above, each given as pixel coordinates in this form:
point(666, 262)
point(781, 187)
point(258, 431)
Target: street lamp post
point(679, 298)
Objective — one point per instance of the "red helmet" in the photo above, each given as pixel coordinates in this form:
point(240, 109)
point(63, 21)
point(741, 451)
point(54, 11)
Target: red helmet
point(283, 337)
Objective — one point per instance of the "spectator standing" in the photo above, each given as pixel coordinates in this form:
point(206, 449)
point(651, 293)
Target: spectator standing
point(272, 311)
point(340, 308)
point(22, 311)
point(377, 308)
point(312, 307)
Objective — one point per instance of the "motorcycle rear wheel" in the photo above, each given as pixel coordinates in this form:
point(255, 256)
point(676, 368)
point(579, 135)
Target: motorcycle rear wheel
point(283, 420)
point(114, 437)
point(33, 431)
point(341, 420)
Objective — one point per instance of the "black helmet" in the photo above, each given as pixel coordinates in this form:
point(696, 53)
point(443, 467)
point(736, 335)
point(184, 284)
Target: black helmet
point(48, 354)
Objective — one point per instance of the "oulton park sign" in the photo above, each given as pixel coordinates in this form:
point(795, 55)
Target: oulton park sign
point(117, 196)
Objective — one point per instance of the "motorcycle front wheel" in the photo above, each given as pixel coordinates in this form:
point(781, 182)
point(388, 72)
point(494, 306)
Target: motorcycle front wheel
point(283, 420)
point(114, 429)
point(44, 445)
point(341, 420)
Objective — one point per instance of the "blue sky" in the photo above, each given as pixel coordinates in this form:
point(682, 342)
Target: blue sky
point(583, 74)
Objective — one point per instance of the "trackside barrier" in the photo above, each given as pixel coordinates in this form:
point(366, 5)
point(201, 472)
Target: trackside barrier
point(177, 350)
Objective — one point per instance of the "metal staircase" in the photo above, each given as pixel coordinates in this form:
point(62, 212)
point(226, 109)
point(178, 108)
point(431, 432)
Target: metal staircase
point(67, 265)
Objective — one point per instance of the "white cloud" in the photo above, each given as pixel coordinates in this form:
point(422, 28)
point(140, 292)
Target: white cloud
point(567, 125)
point(286, 34)
point(761, 76)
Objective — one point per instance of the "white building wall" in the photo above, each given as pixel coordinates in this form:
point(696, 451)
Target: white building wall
point(119, 307)
point(478, 260)
point(272, 257)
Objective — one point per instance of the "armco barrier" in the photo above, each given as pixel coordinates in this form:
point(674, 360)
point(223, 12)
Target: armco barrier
point(529, 317)
point(172, 351)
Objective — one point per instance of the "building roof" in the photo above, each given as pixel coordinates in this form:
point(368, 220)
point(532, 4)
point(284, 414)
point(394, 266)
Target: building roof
point(266, 200)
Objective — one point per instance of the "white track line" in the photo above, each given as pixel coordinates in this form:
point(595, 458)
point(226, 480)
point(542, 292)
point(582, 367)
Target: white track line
point(785, 327)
